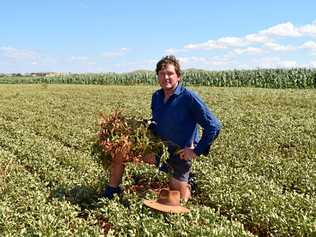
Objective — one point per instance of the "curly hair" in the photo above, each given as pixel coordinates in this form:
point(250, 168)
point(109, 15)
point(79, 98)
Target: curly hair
point(169, 59)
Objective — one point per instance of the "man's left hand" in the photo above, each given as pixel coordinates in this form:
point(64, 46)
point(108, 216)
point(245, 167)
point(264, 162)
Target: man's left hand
point(187, 153)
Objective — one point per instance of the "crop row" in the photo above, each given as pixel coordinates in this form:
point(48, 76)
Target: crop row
point(259, 178)
point(264, 78)
point(26, 208)
point(52, 190)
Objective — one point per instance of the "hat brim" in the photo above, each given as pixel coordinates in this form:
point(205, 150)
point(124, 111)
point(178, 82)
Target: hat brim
point(165, 208)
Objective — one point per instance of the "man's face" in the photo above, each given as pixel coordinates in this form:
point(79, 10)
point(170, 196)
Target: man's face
point(168, 78)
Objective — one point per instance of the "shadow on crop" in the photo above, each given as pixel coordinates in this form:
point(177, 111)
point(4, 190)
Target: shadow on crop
point(84, 196)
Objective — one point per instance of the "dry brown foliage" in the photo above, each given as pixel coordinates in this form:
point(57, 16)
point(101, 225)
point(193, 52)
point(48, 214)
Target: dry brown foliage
point(129, 137)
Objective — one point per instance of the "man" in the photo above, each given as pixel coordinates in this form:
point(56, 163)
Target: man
point(176, 112)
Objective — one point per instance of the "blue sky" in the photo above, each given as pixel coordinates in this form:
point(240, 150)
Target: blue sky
point(122, 36)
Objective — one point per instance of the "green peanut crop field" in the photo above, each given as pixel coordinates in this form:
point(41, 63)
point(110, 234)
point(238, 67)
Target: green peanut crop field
point(258, 180)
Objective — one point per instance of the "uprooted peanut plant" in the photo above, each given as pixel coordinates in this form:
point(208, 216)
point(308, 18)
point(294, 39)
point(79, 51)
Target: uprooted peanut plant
point(130, 137)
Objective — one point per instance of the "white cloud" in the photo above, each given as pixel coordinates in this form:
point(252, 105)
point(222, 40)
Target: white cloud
point(171, 51)
point(221, 43)
point(174, 51)
point(313, 64)
point(231, 42)
point(79, 58)
point(309, 29)
point(248, 50)
point(222, 63)
point(146, 64)
point(256, 38)
point(283, 29)
point(115, 54)
point(204, 62)
point(184, 60)
point(288, 64)
point(277, 47)
point(19, 54)
point(231, 62)
point(275, 62)
point(91, 63)
point(211, 44)
point(264, 37)
point(309, 45)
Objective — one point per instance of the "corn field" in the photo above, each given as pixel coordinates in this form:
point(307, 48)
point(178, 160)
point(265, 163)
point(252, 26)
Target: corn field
point(263, 78)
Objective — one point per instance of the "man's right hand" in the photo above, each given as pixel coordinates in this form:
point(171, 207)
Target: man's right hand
point(149, 159)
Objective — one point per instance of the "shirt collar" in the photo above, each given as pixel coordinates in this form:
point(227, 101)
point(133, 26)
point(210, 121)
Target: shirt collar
point(179, 89)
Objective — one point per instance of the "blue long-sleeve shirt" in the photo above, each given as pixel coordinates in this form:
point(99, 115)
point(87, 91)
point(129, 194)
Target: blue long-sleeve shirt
point(178, 117)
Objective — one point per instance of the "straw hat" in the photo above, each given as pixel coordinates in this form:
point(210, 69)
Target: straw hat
point(168, 201)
